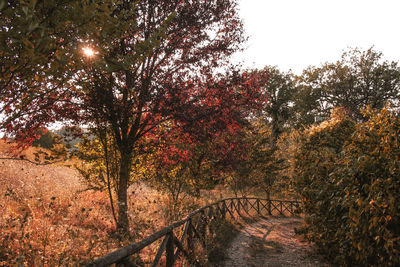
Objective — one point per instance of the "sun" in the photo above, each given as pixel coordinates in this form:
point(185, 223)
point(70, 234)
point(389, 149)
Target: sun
point(87, 51)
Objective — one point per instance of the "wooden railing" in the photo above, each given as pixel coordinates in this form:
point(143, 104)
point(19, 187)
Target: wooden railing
point(194, 229)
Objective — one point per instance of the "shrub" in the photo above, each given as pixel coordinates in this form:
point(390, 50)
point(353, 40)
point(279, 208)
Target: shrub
point(349, 179)
point(370, 173)
point(314, 161)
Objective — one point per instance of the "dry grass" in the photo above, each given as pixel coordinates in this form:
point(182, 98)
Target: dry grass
point(48, 218)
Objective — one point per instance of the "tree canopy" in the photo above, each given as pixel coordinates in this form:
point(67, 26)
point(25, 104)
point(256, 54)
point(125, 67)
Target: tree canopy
point(277, 111)
point(359, 79)
point(39, 44)
point(154, 62)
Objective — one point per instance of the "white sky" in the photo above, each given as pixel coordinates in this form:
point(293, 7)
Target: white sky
point(293, 34)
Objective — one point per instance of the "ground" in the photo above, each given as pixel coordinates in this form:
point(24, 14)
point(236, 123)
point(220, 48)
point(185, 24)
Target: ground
point(272, 242)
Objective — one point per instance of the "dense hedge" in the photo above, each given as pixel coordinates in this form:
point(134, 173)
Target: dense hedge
point(348, 175)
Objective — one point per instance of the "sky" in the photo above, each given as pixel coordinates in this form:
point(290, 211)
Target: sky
point(294, 34)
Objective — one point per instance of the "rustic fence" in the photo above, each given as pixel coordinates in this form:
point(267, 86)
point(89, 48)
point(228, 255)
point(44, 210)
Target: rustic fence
point(194, 228)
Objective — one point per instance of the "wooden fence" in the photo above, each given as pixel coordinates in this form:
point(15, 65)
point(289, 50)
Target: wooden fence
point(194, 228)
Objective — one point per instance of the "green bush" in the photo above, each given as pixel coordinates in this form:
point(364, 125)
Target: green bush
point(348, 176)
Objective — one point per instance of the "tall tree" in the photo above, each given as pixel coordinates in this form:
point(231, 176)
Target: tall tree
point(308, 106)
point(358, 79)
point(156, 64)
point(279, 89)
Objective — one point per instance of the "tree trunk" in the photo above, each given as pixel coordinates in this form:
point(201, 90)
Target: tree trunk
point(124, 175)
point(275, 131)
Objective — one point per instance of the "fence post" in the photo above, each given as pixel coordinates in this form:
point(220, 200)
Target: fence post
point(190, 237)
point(269, 203)
point(218, 211)
point(269, 207)
point(170, 250)
point(258, 206)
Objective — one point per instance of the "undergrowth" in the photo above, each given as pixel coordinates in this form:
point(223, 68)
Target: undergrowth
point(50, 217)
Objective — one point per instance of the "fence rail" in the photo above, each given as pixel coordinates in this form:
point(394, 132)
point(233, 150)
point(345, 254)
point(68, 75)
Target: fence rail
point(196, 226)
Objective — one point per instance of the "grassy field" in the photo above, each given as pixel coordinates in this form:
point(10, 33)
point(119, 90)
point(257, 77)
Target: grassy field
point(49, 218)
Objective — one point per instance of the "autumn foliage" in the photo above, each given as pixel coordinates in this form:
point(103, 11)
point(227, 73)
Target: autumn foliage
point(347, 174)
point(160, 106)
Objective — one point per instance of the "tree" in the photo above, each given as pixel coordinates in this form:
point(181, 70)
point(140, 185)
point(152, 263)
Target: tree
point(101, 162)
point(37, 40)
point(179, 165)
point(266, 165)
point(256, 167)
point(359, 79)
point(163, 71)
point(277, 111)
point(308, 107)
point(156, 64)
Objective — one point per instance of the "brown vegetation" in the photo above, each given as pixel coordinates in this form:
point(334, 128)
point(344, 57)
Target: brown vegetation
point(49, 217)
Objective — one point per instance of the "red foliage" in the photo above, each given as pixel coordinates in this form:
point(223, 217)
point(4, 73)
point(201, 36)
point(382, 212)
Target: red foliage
point(176, 81)
point(173, 79)
point(214, 117)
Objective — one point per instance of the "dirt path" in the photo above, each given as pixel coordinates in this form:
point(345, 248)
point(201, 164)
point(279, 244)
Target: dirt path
point(272, 242)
